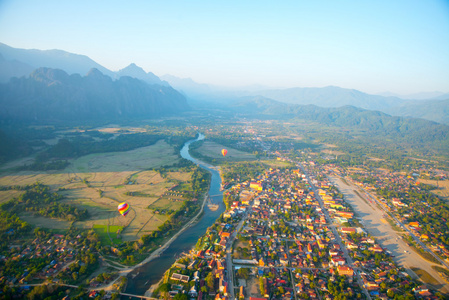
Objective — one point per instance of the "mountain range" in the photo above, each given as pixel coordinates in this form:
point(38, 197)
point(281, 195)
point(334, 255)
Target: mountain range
point(22, 62)
point(50, 85)
point(52, 95)
point(417, 133)
point(433, 109)
point(435, 95)
point(55, 59)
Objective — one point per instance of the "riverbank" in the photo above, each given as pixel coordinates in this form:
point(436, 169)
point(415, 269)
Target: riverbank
point(156, 253)
point(153, 287)
point(149, 272)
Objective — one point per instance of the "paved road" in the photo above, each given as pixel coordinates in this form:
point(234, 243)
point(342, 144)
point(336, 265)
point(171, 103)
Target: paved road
point(229, 265)
point(374, 222)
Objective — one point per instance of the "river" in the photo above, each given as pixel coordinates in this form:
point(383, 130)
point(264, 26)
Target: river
point(152, 272)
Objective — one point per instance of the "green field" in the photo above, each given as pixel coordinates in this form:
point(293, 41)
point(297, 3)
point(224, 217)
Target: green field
point(108, 234)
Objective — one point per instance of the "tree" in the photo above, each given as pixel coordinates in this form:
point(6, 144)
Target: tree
point(165, 287)
point(261, 286)
point(210, 281)
point(180, 297)
point(243, 272)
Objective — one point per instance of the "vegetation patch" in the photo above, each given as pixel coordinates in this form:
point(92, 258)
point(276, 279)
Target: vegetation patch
point(144, 158)
point(108, 234)
point(442, 271)
point(7, 195)
point(393, 224)
point(277, 163)
point(43, 222)
point(441, 187)
point(242, 250)
point(425, 276)
point(165, 204)
point(211, 152)
point(241, 171)
point(39, 199)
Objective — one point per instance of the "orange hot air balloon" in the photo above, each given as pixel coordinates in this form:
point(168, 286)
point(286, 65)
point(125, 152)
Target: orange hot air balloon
point(224, 152)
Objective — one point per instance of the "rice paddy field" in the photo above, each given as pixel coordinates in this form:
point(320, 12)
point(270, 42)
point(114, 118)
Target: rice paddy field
point(99, 182)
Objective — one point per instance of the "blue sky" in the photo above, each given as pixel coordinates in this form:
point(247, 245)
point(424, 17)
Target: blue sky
point(373, 46)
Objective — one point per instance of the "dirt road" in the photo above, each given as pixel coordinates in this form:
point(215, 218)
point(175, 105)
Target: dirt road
point(374, 222)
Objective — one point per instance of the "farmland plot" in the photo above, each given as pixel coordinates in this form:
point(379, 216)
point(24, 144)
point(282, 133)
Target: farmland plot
point(99, 182)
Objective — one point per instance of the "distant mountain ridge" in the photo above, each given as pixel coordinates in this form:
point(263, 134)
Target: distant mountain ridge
point(330, 96)
point(21, 62)
point(55, 59)
point(137, 72)
point(53, 95)
point(13, 68)
point(15, 62)
point(187, 85)
point(436, 110)
point(418, 96)
point(415, 131)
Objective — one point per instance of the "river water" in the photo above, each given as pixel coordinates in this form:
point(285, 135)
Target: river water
point(152, 272)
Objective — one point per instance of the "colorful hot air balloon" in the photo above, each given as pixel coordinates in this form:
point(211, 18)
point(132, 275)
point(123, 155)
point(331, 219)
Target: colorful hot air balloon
point(224, 152)
point(123, 208)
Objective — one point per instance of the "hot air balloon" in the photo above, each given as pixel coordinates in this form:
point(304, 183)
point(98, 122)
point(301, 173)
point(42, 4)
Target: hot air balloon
point(123, 208)
point(224, 152)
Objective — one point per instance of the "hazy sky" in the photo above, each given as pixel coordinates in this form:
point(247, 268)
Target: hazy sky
point(373, 46)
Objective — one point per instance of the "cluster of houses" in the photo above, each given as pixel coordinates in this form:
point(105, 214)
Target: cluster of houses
point(379, 274)
point(193, 281)
point(61, 250)
point(289, 247)
point(409, 210)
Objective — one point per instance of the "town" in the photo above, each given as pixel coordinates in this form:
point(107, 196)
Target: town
point(290, 234)
point(298, 224)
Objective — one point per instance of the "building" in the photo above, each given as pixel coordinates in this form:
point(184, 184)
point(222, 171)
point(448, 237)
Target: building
point(348, 230)
point(344, 270)
point(256, 186)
